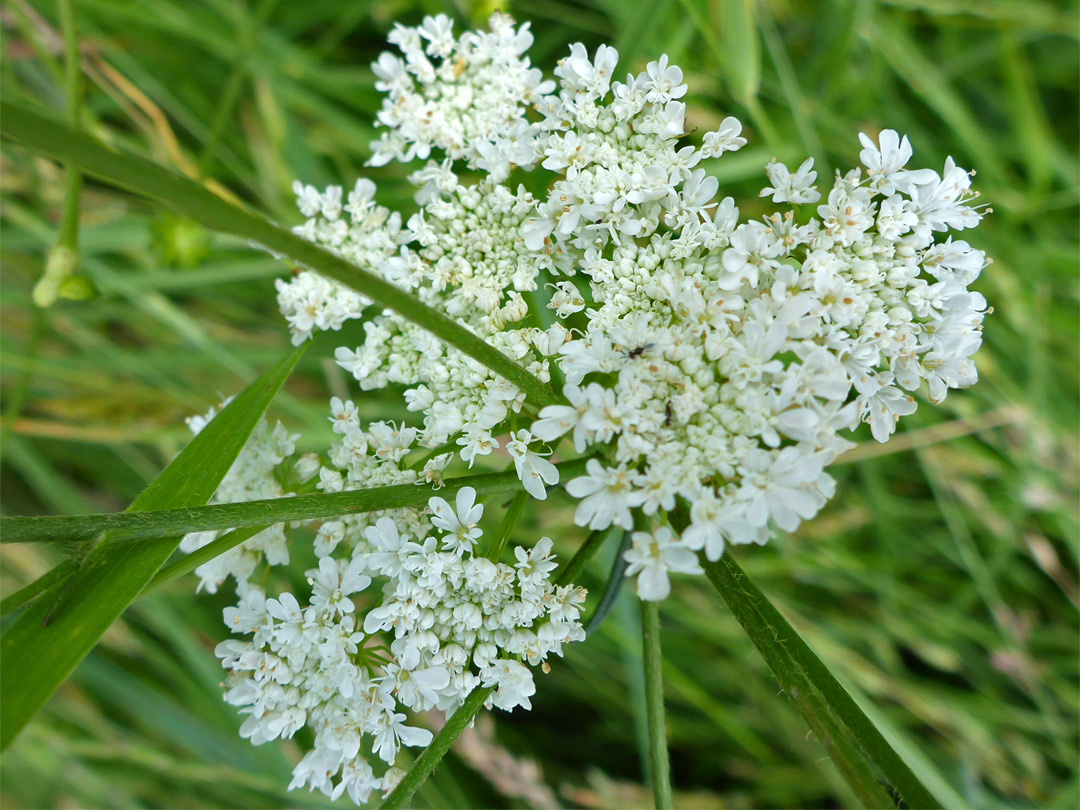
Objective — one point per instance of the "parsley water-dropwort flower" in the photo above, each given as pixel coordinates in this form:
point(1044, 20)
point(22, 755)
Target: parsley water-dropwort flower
point(702, 360)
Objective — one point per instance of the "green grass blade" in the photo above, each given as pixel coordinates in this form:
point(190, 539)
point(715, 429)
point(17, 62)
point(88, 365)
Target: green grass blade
point(740, 49)
point(787, 653)
point(39, 585)
point(50, 137)
point(437, 749)
point(35, 659)
point(135, 526)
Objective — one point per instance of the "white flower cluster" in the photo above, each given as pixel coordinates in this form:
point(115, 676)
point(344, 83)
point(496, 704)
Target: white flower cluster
point(355, 658)
point(369, 237)
point(450, 620)
point(705, 364)
point(706, 360)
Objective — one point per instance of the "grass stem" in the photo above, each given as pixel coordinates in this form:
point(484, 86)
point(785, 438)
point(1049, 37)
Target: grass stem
point(659, 767)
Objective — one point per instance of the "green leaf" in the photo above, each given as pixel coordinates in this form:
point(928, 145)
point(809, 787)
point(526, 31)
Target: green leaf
point(35, 658)
point(135, 526)
point(50, 137)
point(826, 706)
point(56, 574)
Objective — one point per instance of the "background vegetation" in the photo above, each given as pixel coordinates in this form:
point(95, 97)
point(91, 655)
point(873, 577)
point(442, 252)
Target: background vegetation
point(941, 583)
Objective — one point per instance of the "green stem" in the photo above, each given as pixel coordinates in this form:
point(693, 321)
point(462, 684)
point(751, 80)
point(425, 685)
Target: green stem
point(659, 767)
point(613, 587)
point(137, 525)
point(189, 199)
point(586, 552)
point(42, 583)
point(62, 261)
point(436, 750)
point(189, 562)
point(805, 677)
point(506, 528)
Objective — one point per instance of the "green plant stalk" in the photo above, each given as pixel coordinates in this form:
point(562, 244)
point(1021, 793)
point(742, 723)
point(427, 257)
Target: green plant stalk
point(436, 750)
point(42, 583)
point(135, 526)
point(659, 765)
point(506, 528)
point(792, 679)
point(777, 640)
point(818, 716)
point(189, 562)
point(62, 261)
point(585, 552)
point(50, 137)
point(35, 658)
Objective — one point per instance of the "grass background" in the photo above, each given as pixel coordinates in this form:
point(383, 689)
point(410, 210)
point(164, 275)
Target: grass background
point(940, 584)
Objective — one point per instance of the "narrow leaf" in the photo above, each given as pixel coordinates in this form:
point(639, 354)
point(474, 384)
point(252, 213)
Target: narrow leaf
point(572, 570)
point(39, 585)
point(50, 137)
point(791, 660)
point(35, 659)
point(133, 526)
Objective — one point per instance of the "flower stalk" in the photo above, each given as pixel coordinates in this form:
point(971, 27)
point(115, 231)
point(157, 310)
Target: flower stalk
point(652, 658)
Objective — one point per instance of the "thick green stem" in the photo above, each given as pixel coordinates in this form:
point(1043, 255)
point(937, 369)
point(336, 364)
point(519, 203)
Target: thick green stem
point(189, 199)
point(659, 767)
point(436, 750)
point(128, 526)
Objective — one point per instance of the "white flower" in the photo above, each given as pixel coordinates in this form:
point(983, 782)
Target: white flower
point(652, 556)
point(607, 496)
point(394, 733)
point(533, 469)
point(513, 684)
point(794, 188)
point(460, 524)
point(885, 164)
point(334, 581)
point(728, 138)
point(705, 359)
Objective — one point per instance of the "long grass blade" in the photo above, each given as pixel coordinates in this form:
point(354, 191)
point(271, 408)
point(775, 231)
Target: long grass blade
point(826, 704)
point(34, 658)
point(50, 137)
point(652, 659)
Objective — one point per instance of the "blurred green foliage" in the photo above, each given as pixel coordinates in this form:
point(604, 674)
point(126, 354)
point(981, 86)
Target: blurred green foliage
point(941, 583)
